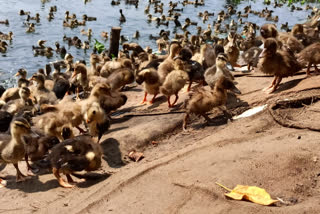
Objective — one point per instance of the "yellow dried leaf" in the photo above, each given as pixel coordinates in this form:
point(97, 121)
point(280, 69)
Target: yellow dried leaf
point(250, 193)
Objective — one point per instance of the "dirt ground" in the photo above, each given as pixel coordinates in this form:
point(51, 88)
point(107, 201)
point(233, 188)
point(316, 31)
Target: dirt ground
point(179, 171)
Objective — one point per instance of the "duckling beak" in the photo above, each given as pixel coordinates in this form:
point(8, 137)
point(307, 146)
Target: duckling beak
point(235, 90)
point(17, 74)
point(263, 53)
point(88, 121)
point(74, 74)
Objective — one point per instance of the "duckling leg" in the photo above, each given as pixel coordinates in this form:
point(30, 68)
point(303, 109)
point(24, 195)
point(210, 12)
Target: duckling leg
point(80, 130)
point(169, 104)
point(153, 98)
point(275, 86)
point(174, 102)
point(272, 84)
point(19, 177)
point(62, 182)
point(208, 119)
point(316, 68)
point(185, 120)
point(308, 69)
point(249, 67)
point(145, 98)
point(30, 169)
point(189, 86)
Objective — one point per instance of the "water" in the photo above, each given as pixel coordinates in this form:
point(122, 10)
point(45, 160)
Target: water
point(20, 54)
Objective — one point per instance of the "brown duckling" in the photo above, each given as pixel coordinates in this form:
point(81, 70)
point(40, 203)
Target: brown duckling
point(22, 12)
point(104, 35)
point(203, 101)
point(31, 28)
point(151, 82)
point(310, 56)
point(6, 22)
point(40, 45)
point(81, 74)
point(12, 149)
point(8, 36)
point(85, 45)
point(232, 49)
point(3, 46)
point(73, 155)
point(251, 57)
point(37, 148)
point(47, 51)
point(109, 67)
point(120, 77)
point(280, 63)
point(88, 18)
point(41, 94)
point(174, 82)
point(24, 102)
point(220, 68)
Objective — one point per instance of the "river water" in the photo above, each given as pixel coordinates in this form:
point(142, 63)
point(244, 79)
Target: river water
point(20, 54)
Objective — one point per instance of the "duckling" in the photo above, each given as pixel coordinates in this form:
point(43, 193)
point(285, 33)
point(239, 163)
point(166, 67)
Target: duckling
point(120, 77)
point(8, 36)
point(22, 82)
point(6, 22)
point(104, 35)
point(167, 65)
point(40, 45)
point(136, 35)
point(22, 12)
point(109, 67)
point(285, 27)
point(251, 57)
point(219, 69)
point(122, 17)
point(280, 63)
point(89, 33)
point(174, 82)
point(123, 39)
point(50, 16)
point(36, 18)
point(37, 148)
point(232, 49)
point(24, 102)
point(47, 51)
point(202, 101)
point(12, 148)
point(77, 154)
point(41, 93)
point(311, 56)
point(81, 74)
point(176, 21)
point(85, 45)
point(3, 46)
point(88, 18)
point(151, 82)
point(31, 28)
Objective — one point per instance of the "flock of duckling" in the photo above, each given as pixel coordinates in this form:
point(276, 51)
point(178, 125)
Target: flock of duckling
point(55, 117)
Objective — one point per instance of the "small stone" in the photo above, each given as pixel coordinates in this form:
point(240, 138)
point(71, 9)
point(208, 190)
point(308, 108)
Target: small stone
point(65, 204)
point(315, 159)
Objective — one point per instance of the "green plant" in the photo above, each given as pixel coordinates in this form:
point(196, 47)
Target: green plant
point(99, 46)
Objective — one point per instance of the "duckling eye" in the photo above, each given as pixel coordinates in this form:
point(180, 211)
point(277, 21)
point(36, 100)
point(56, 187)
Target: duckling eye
point(94, 112)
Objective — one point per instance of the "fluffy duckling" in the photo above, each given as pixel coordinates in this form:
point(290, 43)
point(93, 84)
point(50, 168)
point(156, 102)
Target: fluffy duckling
point(40, 45)
point(88, 18)
point(167, 65)
point(151, 82)
point(47, 51)
point(121, 77)
point(203, 101)
point(12, 149)
point(41, 94)
point(108, 100)
point(109, 67)
point(85, 45)
point(8, 36)
point(136, 35)
point(31, 28)
point(251, 57)
point(24, 103)
point(23, 13)
point(53, 124)
point(73, 155)
point(3, 46)
point(232, 49)
point(174, 82)
point(104, 35)
point(37, 148)
point(81, 74)
point(10, 94)
point(5, 120)
point(280, 63)
point(122, 17)
point(6, 22)
point(219, 69)
point(310, 56)
point(89, 33)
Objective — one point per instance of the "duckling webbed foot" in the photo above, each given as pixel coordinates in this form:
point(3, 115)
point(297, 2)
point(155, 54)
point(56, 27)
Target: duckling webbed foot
point(70, 180)
point(185, 120)
point(19, 177)
point(144, 98)
point(30, 170)
point(62, 182)
point(153, 98)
